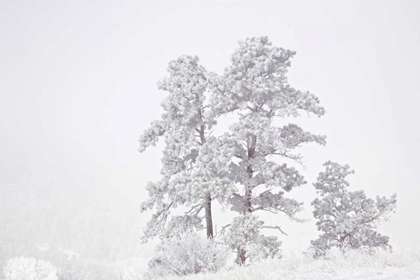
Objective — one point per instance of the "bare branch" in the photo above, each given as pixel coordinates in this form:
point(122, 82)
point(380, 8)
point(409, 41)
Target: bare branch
point(276, 227)
point(222, 231)
point(195, 209)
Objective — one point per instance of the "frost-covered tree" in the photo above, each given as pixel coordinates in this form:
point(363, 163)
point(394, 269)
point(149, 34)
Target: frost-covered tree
point(255, 87)
point(195, 164)
point(23, 268)
point(347, 219)
point(244, 234)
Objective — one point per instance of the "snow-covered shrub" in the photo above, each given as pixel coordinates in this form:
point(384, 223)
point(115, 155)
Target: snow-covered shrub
point(23, 268)
point(188, 254)
point(347, 219)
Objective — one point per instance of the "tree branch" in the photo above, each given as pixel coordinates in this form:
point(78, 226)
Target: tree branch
point(296, 158)
point(222, 231)
point(276, 227)
point(196, 208)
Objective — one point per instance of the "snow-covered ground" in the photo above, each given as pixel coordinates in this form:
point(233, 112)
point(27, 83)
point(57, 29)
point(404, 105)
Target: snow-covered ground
point(274, 274)
point(399, 265)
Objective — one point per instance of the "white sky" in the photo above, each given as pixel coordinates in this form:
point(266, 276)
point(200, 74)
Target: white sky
point(78, 86)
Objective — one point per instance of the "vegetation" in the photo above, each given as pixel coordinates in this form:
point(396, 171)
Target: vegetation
point(347, 219)
point(249, 168)
point(236, 166)
point(188, 254)
point(29, 269)
point(353, 265)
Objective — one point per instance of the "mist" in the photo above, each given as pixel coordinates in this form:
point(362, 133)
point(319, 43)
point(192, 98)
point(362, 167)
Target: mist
point(78, 86)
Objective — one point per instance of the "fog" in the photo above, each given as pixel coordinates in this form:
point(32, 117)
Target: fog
point(78, 87)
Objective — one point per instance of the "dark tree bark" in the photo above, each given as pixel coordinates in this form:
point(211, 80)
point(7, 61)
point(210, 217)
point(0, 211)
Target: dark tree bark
point(209, 218)
point(241, 256)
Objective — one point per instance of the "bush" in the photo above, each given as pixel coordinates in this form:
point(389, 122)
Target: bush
point(188, 254)
point(29, 269)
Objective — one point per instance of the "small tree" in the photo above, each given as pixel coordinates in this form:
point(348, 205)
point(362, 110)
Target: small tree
point(244, 235)
point(347, 219)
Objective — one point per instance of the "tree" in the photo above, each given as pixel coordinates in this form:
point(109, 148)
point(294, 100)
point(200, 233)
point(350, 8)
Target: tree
point(244, 235)
point(195, 166)
point(255, 87)
point(347, 219)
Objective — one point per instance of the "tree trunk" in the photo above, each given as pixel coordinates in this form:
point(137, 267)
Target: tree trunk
point(209, 218)
point(252, 142)
point(241, 256)
point(207, 200)
point(248, 192)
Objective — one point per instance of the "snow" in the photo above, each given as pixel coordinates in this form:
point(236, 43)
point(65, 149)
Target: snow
point(365, 274)
point(356, 265)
